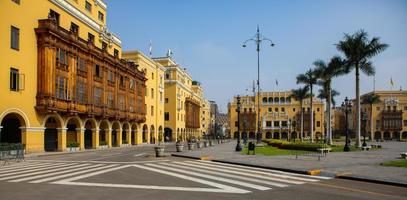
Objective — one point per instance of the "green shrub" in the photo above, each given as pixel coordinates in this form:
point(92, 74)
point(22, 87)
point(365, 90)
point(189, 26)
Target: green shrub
point(11, 146)
point(275, 142)
point(72, 144)
point(102, 143)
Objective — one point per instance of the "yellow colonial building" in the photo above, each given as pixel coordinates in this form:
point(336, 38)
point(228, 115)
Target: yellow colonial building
point(384, 120)
point(153, 127)
point(182, 102)
point(62, 80)
point(279, 115)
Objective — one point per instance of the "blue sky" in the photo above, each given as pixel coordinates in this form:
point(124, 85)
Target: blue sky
point(206, 36)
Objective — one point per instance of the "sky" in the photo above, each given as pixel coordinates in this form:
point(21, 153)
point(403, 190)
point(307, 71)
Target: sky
point(206, 37)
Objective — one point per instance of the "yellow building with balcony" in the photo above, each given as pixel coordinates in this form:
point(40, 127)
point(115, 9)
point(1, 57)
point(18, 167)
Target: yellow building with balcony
point(63, 82)
point(280, 116)
point(153, 128)
point(383, 120)
point(182, 105)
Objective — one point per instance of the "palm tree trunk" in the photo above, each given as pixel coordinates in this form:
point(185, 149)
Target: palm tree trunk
point(371, 123)
point(357, 108)
point(329, 115)
point(302, 123)
point(311, 117)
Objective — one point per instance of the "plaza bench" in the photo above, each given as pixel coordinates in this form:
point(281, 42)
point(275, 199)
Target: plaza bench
point(324, 150)
point(403, 155)
point(366, 148)
point(318, 155)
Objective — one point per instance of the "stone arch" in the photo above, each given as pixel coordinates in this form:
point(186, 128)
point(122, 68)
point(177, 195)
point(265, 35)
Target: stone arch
point(11, 128)
point(145, 133)
point(168, 134)
point(276, 135)
point(270, 99)
point(134, 132)
point(73, 126)
point(252, 135)
point(404, 135)
point(264, 99)
point(116, 126)
point(104, 130)
point(318, 135)
point(152, 134)
point(90, 126)
point(377, 135)
point(282, 100)
point(386, 135)
point(56, 117)
point(284, 135)
point(53, 124)
point(269, 135)
point(21, 114)
point(125, 133)
point(276, 100)
point(396, 135)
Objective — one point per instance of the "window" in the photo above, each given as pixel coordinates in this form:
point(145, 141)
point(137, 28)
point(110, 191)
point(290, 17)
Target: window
point(122, 105)
point(166, 100)
point(110, 99)
point(152, 93)
point(131, 105)
point(131, 85)
point(405, 107)
point(15, 38)
point(405, 122)
point(88, 6)
point(276, 109)
point(14, 79)
point(62, 59)
point(98, 71)
point(318, 124)
point(282, 109)
point(394, 107)
point(152, 110)
point(284, 123)
point(116, 53)
point(104, 46)
point(81, 65)
point(167, 75)
point(276, 123)
point(97, 96)
point(16, 1)
point(121, 81)
point(166, 116)
point(268, 123)
point(152, 76)
point(270, 110)
point(377, 124)
point(293, 109)
point(377, 108)
point(61, 87)
point(74, 28)
point(110, 77)
point(91, 38)
point(101, 16)
point(53, 16)
point(81, 91)
point(236, 124)
point(317, 109)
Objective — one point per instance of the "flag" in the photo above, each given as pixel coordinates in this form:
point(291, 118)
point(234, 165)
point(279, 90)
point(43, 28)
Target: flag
point(276, 82)
point(150, 48)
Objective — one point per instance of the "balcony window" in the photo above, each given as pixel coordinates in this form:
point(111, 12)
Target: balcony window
point(14, 79)
point(15, 38)
point(62, 59)
point(97, 96)
point(101, 16)
point(131, 105)
point(166, 116)
point(122, 105)
point(110, 99)
point(81, 66)
point(61, 87)
point(121, 81)
point(276, 123)
point(131, 85)
point(91, 38)
point(104, 46)
point(52, 15)
point(318, 124)
point(152, 111)
point(116, 53)
point(81, 91)
point(268, 123)
point(98, 71)
point(74, 28)
point(110, 77)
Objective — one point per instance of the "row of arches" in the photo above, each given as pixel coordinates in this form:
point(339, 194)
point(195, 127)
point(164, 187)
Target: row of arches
point(283, 135)
point(181, 134)
point(276, 100)
point(387, 135)
point(60, 133)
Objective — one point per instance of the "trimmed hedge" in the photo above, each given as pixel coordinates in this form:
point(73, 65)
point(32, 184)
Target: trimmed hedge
point(282, 144)
point(72, 144)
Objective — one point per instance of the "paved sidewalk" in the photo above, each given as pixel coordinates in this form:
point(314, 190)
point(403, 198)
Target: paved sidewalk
point(362, 164)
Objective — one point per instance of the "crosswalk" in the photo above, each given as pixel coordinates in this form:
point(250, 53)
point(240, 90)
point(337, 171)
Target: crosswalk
point(214, 176)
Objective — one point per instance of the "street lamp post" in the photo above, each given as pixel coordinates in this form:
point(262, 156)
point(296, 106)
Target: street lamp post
point(346, 106)
point(238, 145)
point(258, 39)
point(364, 121)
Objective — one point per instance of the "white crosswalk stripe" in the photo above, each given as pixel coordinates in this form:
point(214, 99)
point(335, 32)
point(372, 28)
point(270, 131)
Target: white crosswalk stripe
point(216, 177)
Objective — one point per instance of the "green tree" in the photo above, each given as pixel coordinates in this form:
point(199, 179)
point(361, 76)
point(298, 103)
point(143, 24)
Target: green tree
point(358, 51)
point(325, 73)
point(371, 99)
point(309, 79)
point(299, 95)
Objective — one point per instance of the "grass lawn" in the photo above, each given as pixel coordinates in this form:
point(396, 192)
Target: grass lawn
point(274, 151)
point(339, 148)
point(396, 163)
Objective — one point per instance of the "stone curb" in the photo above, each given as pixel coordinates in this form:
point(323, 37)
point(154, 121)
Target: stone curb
point(370, 180)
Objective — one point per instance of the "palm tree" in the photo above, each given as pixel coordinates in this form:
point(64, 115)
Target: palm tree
point(323, 93)
point(299, 95)
point(370, 100)
point(358, 50)
point(326, 72)
point(309, 79)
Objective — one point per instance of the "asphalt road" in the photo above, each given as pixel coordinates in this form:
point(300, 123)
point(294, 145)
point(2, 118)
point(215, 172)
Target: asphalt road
point(134, 173)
